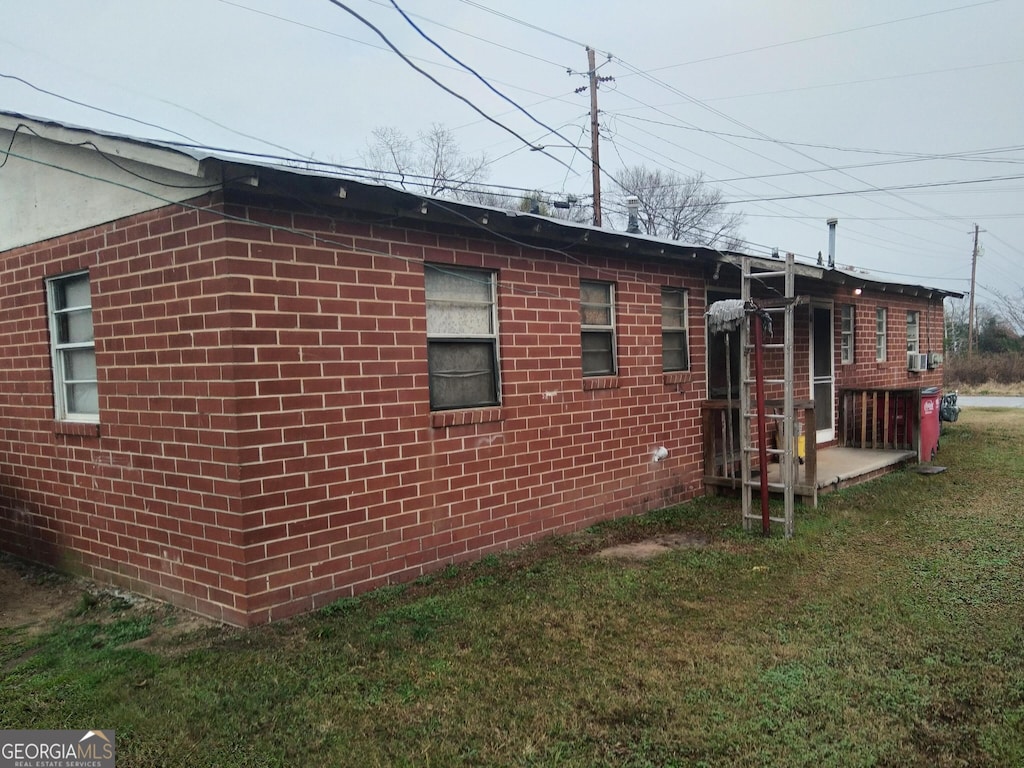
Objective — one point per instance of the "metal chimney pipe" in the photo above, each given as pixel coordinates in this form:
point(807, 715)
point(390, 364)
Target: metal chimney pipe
point(832, 242)
point(633, 209)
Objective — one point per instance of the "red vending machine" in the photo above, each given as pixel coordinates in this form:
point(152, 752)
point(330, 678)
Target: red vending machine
point(931, 399)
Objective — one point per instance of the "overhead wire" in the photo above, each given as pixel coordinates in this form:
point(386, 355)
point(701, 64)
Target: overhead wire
point(824, 35)
point(864, 81)
point(719, 113)
point(110, 112)
point(483, 80)
point(966, 155)
point(434, 80)
point(869, 190)
point(458, 31)
point(526, 24)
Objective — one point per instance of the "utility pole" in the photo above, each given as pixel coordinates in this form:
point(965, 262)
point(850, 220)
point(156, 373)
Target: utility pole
point(594, 139)
point(970, 319)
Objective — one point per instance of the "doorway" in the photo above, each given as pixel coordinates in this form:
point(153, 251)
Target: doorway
point(822, 365)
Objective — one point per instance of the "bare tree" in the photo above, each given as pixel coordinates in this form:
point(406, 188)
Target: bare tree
point(431, 163)
point(677, 207)
point(957, 318)
point(1010, 310)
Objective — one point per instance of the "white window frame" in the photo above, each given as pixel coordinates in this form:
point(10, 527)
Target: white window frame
point(847, 333)
point(599, 329)
point(60, 350)
point(881, 331)
point(670, 328)
point(913, 331)
point(437, 338)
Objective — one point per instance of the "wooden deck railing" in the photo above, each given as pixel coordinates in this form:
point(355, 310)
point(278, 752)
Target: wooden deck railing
point(879, 418)
point(723, 449)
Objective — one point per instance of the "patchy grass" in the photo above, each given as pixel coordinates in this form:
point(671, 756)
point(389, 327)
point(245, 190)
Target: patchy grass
point(890, 631)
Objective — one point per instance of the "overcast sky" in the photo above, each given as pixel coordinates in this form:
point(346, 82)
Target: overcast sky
point(817, 98)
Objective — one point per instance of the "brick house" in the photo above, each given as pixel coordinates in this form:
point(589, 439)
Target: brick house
point(249, 390)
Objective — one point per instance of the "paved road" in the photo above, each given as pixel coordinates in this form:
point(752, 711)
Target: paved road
point(986, 401)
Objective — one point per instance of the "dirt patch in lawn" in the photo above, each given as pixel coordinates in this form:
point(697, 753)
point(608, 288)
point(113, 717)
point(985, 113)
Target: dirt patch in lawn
point(33, 599)
point(658, 545)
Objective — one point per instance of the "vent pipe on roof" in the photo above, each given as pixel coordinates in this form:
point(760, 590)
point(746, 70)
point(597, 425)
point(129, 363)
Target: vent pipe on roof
point(832, 242)
point(633, 209)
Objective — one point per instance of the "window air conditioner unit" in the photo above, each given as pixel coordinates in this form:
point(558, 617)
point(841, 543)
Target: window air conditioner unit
point(934, 359)
point(917, 361)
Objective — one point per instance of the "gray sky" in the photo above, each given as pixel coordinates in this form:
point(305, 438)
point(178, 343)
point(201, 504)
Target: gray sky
point(877, 89)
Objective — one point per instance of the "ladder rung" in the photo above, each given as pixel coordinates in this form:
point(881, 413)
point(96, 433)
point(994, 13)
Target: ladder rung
point(759, 275)
point(780, 520)
point(773, 452)
point(749, 382)
point(771, 486)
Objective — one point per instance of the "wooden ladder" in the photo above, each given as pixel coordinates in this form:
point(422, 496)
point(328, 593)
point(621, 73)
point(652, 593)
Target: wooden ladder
point(753, 409)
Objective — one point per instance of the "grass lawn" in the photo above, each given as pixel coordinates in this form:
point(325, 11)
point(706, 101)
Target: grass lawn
point(889, 632)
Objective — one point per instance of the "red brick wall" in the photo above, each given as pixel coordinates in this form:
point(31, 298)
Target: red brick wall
point(266, 442)
point(149, 499)
point(349, 481)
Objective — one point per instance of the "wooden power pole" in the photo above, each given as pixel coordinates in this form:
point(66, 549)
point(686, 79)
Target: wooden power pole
point(970, 319)
point(594, 138)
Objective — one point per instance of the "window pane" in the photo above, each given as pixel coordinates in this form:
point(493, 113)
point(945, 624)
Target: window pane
point(442, 283)
point(74, 327)
point(822, 397)
point(913, 337)
point(673, 351)
point(595, 293)
point(458, 319)
point(597, 353)
point(673, 309)
point(459, 302)
point(72, 292)
point(80, 364)
point(596, 304)
point(462, 374)
point(82, 399)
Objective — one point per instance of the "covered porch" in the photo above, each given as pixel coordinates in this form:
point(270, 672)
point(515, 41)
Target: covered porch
point(882, 447)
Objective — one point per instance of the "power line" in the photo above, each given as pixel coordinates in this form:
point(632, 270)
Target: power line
point(928, 185)
point(483, 80)
point(437, 82)
point(867, 80)
point(817, 37)
point(35, 87)
point(458, 31)
point(968, 155)
point(106, 156)
point(154, 125)
point(526, 24)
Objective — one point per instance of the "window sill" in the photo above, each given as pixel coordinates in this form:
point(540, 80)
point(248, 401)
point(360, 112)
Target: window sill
point(76, 428)
point(459, 418)
point(676, 377)
point(600, 382)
